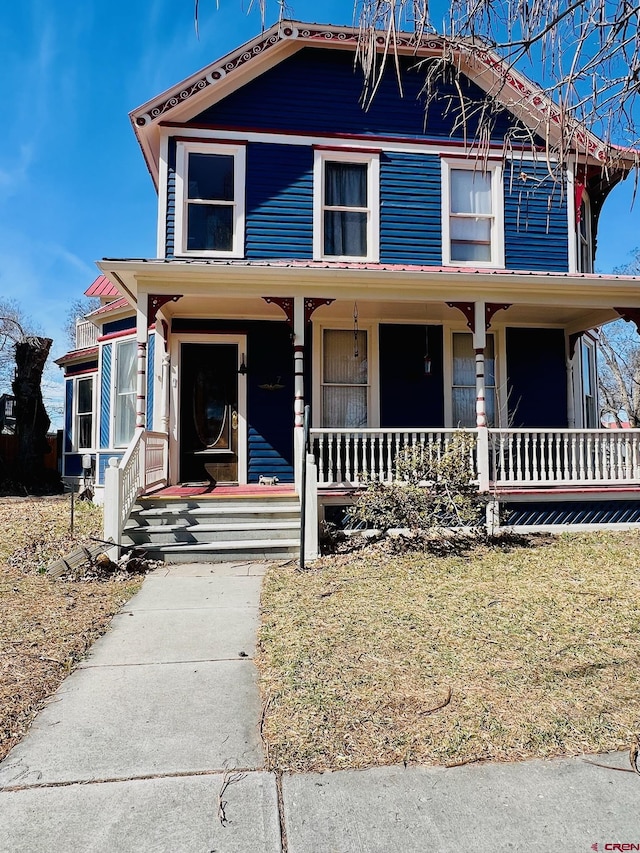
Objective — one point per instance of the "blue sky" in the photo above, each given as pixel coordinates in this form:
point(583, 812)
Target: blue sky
point(73, 184)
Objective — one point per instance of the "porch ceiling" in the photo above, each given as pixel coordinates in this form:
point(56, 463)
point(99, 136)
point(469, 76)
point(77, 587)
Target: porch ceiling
point(252, 308)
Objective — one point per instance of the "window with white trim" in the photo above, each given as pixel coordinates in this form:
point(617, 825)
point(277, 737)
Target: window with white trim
point(472, 214)
point(210, 191)
point(589, 385)
point(585, 244)
point(124, 394)
point(463, 390)
point(83, 413)
point(346, 205)
point(345, 378)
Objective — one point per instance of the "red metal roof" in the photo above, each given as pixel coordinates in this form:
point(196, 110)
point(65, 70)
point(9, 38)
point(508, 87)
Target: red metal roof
point(101, 287)
point(111, 306)
point(78, 354)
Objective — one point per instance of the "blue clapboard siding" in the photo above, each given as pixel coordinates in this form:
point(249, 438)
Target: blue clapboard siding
point(68, 415)
point(535, 219)
point(536, 378)
point(410, 209)
point(105, 395)
point(408, 398)
point(320, 91)
point(151, 347)
point(279, 193)
point(571, 512)
point(103, 463)
point(269, 359)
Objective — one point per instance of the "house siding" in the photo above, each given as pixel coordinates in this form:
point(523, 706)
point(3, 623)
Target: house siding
point(409, 398)
point(410, 209)
point(105, 395)
point(536, 377)
point(319, 91)
point(279, 193)
point(535, 218)
point(170, 231)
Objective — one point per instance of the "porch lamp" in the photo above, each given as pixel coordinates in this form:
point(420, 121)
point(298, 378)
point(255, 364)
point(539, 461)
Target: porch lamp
point(242, 370)
point(427, 357)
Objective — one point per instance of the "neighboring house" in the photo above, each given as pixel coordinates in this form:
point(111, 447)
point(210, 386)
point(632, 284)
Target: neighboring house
point(375, 266)
point(7, 414)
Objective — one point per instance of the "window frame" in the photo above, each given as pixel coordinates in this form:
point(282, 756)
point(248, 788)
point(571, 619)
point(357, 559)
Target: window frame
point(239, 153)
point(75, 429)
point(115, 394)
point(590, 403)
point(495, 170)
point(584, 242)
point(372, 160)
point(488, 387)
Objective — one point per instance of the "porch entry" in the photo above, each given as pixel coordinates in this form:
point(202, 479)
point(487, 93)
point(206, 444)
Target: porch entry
point(209, 412)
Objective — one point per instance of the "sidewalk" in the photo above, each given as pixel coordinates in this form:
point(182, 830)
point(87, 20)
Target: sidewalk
point(131, 755)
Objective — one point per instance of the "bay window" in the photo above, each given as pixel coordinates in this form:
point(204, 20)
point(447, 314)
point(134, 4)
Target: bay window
point(125, 393)
point(83, 416)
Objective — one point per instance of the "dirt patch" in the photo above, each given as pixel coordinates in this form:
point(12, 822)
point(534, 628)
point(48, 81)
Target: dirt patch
point(46, 626)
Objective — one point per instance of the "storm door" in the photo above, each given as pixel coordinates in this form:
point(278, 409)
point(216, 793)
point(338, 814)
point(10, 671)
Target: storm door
point(209, 412)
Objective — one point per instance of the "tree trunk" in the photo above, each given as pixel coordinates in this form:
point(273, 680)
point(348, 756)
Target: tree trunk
point(32, 421)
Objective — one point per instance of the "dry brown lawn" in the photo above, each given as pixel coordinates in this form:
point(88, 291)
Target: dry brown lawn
point(46, 626)
point(503, 654)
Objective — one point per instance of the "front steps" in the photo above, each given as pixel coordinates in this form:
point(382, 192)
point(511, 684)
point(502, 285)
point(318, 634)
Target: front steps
point(216, 529)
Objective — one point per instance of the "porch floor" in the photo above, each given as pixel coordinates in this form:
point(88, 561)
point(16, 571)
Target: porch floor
point(208, 491)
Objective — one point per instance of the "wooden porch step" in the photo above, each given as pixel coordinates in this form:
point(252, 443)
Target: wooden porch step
point(259, 549)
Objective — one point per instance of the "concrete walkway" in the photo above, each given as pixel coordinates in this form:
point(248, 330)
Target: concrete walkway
point(134, 753)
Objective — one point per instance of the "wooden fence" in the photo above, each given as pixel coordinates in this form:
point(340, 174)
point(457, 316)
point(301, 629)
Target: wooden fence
point(9, 451)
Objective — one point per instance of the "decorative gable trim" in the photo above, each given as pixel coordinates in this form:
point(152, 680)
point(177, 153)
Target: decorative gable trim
point(511, 89)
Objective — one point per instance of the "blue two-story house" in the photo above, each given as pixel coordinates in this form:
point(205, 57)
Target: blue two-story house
point(391, 267)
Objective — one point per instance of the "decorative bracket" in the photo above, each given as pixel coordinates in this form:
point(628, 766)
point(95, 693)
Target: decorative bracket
point(492, 308)
point(469, 311)
point(310, 305)
point(155, 302)
point(284, 302)
point(630, 315)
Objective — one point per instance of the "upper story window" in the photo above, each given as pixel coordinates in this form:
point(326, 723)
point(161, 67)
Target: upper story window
point(585, 245)
point(472, 214)
point(346, 205)
point(210, 191)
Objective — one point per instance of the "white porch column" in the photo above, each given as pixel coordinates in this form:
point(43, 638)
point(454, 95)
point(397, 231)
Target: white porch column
point(298, 385)
point(479, 344)
point(165, 390)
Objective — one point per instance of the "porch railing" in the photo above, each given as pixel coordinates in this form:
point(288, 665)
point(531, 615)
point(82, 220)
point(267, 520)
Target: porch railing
point(143, 467)
point(86, 334)
point(354, 457)
point(537, 457)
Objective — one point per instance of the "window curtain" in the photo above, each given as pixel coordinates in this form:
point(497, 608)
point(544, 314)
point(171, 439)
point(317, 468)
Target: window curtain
point(345, 232)
point(464, 380)
point(345, 378)
point(470, 194)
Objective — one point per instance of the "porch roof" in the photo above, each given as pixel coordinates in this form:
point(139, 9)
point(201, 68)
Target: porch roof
point(587, 299)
